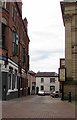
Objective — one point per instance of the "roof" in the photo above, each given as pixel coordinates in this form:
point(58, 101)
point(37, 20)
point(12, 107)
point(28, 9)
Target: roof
point(31, 73)
point(46, 74)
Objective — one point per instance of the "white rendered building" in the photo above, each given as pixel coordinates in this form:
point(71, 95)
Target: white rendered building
point(47, 81)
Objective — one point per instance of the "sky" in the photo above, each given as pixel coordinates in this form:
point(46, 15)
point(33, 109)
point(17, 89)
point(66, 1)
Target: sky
point(46, 33)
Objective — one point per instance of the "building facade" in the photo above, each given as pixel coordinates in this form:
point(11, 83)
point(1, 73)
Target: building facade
point(31, 83)
point(69, 13)
point(61, 69)
point(14, 51)
point(47, 81)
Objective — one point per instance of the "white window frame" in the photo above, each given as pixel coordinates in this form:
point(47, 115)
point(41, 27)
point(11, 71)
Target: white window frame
point(4, 3)
point(52, 80)
point(42, 80)
point(11, 83)
point(15, 82)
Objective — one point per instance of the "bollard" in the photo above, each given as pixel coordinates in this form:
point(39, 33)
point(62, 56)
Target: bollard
point(69, 96)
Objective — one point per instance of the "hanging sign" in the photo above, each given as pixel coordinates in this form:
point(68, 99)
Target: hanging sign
point(62, 74)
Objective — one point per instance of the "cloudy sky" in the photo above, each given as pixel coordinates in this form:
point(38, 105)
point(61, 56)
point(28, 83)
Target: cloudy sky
point(46, 33)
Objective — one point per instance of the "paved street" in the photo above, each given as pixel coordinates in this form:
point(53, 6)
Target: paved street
point(37, 107)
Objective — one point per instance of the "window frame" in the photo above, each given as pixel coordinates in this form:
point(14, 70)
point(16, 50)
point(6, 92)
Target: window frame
point(13, 13)
point(24, 55)
point(42, 80)
point(53, 87)
point(3, 35)
point(10, 82)
point(4, 3)
point(15, 44)
point(15, 87)
point(52, 80)
point(41, 87)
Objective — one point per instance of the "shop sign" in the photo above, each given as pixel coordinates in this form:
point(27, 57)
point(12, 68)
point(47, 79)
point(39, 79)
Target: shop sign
point(62, 74)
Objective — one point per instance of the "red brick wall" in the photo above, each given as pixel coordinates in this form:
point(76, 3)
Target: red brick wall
point(23, 41)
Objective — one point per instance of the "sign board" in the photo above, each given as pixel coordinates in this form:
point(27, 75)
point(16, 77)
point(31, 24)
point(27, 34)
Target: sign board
point(62, 63)
point(62, 74)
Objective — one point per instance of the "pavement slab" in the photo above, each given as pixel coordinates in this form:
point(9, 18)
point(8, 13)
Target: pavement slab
point(37, 107)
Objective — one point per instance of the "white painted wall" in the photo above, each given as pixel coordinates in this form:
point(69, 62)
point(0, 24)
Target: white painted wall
point(47, 83)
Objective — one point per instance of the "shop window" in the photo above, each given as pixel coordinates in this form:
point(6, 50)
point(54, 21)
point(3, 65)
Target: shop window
point(10, 78)
point(20, 82)
point(10, 82)
point(15, 43)
point(52, 80)
point(15, 79)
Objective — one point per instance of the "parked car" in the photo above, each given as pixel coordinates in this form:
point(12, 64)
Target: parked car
point(55, 94)
point(47, 92)
point(41, 93)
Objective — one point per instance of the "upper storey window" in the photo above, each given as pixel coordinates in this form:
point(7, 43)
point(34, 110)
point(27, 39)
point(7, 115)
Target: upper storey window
point(12, 12)
point(4, 3)
point(52, 80)
point(15, 43)
point(24, 55)
point(42, 80)
point(3, 35)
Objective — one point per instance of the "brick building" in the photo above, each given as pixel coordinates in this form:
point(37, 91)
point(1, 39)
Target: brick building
point(14, 51)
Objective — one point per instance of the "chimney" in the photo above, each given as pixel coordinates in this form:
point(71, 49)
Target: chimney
point(25, 23)
point(20, 5)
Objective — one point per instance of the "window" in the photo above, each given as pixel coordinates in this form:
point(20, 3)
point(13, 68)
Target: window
point(15, 43)
point(13, 12)
point(52, 88)
point(4, 3)
point(24, 55)
point(33, 83)
point(52, 80)
point(33, 87)
point(15, 16)
point(42, 80)
point(3, 35)
point(42, 87)
point(10, 78)
point(15, 79)
point(10, 81)
point(20, 82)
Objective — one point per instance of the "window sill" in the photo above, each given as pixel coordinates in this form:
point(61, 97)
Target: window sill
point(12, 90)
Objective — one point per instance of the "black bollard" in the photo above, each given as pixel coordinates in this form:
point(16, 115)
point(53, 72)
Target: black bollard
point(69, 96)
